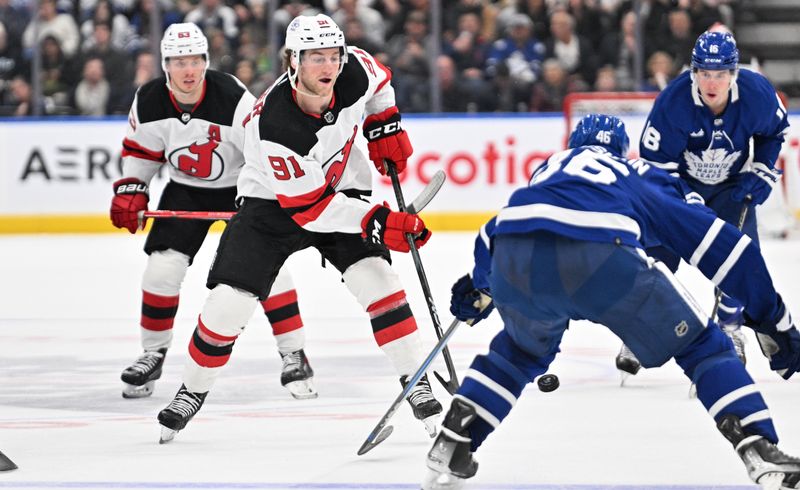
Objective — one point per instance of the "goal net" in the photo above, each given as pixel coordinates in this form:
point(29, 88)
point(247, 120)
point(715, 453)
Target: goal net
point(776, 216)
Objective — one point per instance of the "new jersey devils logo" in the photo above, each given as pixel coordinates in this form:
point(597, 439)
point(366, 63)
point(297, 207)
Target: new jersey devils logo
point(334, 167)
point(200, 160)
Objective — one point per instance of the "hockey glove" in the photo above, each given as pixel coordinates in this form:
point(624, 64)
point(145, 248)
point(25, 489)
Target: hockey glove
point(381, 225)
point(757, 183)
point(386, 140)
point(782, 349)
point(469, 304)
point(130, 197)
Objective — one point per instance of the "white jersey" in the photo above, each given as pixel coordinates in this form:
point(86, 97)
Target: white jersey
point(307, 161)
point(201, 146)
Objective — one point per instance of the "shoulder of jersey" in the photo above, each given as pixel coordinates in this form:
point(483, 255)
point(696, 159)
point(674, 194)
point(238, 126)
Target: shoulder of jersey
point(353, 82)
point(153, 102)
point(223, 93)
point(282, 122)
point(755, 90)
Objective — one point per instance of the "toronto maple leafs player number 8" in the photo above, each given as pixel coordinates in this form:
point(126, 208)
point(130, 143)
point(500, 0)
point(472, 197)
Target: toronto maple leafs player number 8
point(570, 247)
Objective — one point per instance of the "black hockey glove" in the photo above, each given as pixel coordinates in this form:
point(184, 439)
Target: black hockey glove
point(469, 304)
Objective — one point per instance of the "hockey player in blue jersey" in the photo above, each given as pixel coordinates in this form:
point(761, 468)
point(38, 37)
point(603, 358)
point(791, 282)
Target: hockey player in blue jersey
point(700, 128)
point(570, 247)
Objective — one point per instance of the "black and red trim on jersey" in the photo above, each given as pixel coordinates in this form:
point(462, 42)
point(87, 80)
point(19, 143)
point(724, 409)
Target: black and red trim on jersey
point(306, 208)
point(131, 148)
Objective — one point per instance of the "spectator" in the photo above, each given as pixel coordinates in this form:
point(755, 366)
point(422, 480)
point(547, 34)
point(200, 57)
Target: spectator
point(355, 35)
point(49, 22)
point(122, 34)
point(220, 53)
point(680, 39)
point(93, 92)
point(573, 51)
point(548, 94)
point(14, 19)
point(289, 11)
point(606, 79)
point(58, 74)
point(214, 14)
point(144, 71)
point(590, 20)
point(246, 73)
point(371, 21)
point(140, 22)
point(407, 55)
point(461, 94)
point(536, 10)
point(468, 49)
point(22, 97)
point(619, 50)
point(660, 70)
point(116, 64)
point(11, 63)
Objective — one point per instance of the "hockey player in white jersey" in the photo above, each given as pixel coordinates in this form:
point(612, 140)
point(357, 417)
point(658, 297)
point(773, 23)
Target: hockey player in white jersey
point(569, 246)
point(700, 128)
point(191, 121)
point(305, 184)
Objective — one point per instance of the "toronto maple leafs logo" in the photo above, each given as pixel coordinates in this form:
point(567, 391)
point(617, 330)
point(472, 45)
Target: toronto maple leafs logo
point(713, 165)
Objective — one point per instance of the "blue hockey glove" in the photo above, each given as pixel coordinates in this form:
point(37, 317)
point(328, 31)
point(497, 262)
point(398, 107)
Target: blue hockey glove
point(782, 349)
point(469, 304)
point(757, 183)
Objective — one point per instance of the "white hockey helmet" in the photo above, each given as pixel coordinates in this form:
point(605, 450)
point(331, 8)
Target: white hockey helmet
point(314, 32)
point(183, 39)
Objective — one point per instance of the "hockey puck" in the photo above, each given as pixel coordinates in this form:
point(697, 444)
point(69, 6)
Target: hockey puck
point(548, 383)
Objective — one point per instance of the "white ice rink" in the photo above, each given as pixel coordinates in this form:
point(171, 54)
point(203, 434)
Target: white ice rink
point(69, 308)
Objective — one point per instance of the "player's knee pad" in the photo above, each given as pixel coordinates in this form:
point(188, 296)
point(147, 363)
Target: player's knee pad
point(227, 310)
point(371, 279)
point(165, 272)
point(706, 351)
point(283, 282)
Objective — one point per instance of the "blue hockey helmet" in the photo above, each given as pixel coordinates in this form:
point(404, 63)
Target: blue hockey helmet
point(715, 51)
point(600, 130)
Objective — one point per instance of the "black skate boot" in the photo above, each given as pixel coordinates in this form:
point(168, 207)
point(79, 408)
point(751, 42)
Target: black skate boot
point(627, 363)
point(297, 375)
point(141, 376)
point(426, 408)
point(765, 463)
point(450, 460)
point(179, 412)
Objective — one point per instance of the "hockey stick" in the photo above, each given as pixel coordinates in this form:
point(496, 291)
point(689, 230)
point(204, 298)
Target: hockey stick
point(452, 385)
point(5, 463)
point(206, 215)
point(422, 200)
point(382, 430)
point(740, 224)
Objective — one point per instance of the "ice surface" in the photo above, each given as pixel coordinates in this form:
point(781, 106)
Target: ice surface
point(69, 308)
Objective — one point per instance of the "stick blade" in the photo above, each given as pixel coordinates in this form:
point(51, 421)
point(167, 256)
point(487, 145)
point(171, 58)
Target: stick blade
point(6, 464)
point(428, 193)
point(370, 445)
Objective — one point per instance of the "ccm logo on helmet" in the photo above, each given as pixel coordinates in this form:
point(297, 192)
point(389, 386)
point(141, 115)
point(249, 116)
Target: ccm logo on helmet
point(385, 130)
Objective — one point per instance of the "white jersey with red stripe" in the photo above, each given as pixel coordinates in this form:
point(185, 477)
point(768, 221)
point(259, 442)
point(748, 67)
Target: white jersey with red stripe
point(305, 161)
point(201, 146)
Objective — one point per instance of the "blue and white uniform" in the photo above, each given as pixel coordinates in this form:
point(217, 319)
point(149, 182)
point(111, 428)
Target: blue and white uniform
point(569, 246)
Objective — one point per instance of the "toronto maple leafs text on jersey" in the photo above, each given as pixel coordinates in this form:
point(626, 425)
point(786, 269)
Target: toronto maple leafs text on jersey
point(201, 146)
point(306, 161)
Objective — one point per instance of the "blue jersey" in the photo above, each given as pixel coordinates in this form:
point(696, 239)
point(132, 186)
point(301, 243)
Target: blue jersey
point(682, 134)
point(589, 194)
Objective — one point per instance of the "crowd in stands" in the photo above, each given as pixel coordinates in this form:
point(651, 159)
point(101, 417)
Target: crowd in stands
point(502, 55)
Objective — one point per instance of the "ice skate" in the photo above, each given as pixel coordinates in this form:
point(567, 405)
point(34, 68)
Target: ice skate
point(450, 460)
point(140, 377)
point(426, 408)
point(179, 412)
point(765, 463)
point(297, 375)
point(627, 364)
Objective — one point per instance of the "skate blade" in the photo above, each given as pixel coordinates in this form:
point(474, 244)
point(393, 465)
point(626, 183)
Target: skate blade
point(303, 389)
point(430, 425)
point(623, 377)
point(772, 481)
point(167, 435)
point(133, 391)
point(435, 480)
point(693, 391)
